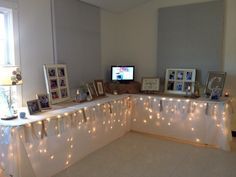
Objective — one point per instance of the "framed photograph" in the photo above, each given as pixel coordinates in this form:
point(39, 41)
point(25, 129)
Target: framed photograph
point(51, 72)
point(92, 90)
point(216, 80)
point(179, 86)
point(177, 81)
point(64, 93)
point(180, 75)
point(33, 107)
point(57, 83)
point(62, 82)
point(99, 87)
point(43, 101)
point(150, 84)
point(53, 84)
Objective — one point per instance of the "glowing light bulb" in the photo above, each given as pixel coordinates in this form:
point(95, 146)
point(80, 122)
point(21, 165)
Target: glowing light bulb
point(192, 129)
point(134, 120)
point(141, 99)
point(59, 116)
point(169, 123)
point(52, 157)
point(145, 121)
point(150, 117)
point(197, 140)
point(190, 118)
point(67, 162)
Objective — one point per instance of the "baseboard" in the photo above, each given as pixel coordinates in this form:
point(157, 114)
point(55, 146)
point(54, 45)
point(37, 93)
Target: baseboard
point(234, 133)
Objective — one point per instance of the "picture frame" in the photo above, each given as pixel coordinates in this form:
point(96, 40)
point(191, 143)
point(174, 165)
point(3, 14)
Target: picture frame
point(92, 90)
point(177, 80)
point(150, 84)
point(216, 79)
point(43, 101)
point(99, 86)
point(57, 85)
point(33, 106)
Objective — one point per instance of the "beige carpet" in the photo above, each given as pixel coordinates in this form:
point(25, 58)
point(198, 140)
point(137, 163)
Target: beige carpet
point(139, 155)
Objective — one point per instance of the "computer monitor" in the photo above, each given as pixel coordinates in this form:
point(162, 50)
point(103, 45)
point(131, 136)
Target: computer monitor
point(122, 73)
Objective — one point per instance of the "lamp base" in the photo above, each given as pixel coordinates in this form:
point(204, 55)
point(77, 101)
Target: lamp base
point(9, 118)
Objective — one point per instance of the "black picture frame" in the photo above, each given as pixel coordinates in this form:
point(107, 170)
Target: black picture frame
point(33, 107)
point(43, 100)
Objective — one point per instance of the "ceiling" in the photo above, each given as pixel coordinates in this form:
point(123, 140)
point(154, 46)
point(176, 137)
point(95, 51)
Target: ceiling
point(115, 5)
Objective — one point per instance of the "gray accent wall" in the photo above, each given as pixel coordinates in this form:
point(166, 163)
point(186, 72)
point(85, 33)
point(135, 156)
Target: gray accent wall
point(191, 36)
point(77, 40)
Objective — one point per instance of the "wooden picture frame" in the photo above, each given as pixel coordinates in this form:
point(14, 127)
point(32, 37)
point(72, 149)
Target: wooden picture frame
point(150, 84)
point(92, 90)
point(33, 107)
point(99, 85)
point(43, 101)
point(216, 79)
point(56, 79)
point(177, 81)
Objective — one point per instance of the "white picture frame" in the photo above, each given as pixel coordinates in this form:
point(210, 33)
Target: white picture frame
point(177, 81)
point(57, 85)
point(150, 84)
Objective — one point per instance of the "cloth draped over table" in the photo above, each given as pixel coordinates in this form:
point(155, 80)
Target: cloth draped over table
point(205, 122)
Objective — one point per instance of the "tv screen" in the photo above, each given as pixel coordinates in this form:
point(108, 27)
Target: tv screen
point(122, 73)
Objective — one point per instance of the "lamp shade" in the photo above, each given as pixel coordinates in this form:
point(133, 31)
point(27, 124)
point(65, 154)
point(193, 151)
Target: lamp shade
point(10, 75)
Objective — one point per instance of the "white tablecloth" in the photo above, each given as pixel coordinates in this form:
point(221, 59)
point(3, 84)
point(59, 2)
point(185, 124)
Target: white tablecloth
point(45, 144)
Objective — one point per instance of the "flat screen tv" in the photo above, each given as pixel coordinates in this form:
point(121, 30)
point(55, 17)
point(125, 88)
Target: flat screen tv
point(122, 73)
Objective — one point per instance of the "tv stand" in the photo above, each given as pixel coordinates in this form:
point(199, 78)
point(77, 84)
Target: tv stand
point(123, 87)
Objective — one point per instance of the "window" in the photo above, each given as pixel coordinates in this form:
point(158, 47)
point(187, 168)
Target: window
point(9, 49)
point(7, 55)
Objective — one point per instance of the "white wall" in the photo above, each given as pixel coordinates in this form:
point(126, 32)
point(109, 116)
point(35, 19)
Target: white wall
point(36, 46)
point(136, 41)
point(230, 52)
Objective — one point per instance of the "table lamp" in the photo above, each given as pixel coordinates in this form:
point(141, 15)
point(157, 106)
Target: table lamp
point(9, 77)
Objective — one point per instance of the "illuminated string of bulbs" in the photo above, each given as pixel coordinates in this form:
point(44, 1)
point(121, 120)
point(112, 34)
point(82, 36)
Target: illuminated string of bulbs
point(167, 111)
point(160, 110)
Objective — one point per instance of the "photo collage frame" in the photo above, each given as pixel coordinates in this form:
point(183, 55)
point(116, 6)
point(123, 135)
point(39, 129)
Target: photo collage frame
point(177, 81)
point(57, 82)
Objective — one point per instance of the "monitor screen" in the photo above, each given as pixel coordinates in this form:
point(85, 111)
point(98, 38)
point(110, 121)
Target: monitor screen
point(122, 73)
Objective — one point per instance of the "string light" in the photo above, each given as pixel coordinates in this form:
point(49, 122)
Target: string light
point(125, 114)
